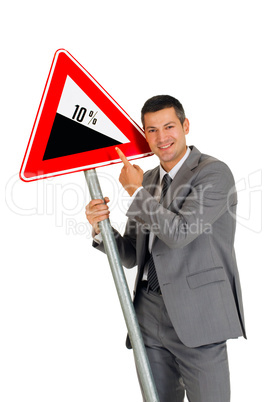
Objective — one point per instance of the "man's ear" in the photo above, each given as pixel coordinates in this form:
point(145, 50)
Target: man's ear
point(144, 133)
point(186, 126)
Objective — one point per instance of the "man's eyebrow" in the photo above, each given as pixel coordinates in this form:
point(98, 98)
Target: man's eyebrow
point(170, 122)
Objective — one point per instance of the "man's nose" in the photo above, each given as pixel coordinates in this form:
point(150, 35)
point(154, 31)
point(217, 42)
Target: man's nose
point(161, 135)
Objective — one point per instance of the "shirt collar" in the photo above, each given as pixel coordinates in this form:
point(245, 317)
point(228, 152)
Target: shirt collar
point(175, 169)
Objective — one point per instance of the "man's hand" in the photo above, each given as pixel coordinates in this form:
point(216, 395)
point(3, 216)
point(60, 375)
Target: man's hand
point(97, 211)
point(131, 176)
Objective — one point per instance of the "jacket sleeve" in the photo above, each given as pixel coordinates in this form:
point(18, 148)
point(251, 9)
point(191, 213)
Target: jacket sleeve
point(208, 197)
point(126, 244)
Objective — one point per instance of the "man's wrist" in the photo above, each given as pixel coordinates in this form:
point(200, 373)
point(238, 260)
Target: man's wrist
point(131, 190)
point(134, 195)
point(97, 237)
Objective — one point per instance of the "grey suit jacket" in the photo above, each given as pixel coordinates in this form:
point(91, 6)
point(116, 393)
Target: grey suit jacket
point(193, 248)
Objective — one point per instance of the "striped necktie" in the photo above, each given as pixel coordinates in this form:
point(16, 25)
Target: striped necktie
point(152, 274)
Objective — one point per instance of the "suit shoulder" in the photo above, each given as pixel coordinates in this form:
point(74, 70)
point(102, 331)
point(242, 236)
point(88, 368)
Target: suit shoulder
point(208, 162)
point(151, 173)
point(199, 161)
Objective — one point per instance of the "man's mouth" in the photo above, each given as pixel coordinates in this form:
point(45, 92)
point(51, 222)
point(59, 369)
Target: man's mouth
point(166, 146)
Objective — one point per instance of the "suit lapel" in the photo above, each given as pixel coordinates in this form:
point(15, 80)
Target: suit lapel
point(150, 182)
point(183, 177)
point(175, 190)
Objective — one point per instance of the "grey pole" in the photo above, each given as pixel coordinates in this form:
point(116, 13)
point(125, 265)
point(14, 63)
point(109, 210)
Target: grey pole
point(141, 359)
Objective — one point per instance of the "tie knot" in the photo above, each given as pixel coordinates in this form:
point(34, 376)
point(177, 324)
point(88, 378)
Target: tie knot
point(166, 181)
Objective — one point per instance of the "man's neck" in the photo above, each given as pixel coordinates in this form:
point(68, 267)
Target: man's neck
point(172, 172)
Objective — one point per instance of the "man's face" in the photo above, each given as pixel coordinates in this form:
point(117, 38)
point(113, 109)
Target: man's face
point(166, 136)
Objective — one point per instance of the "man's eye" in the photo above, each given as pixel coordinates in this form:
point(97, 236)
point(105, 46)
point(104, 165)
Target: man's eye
point(169, 127)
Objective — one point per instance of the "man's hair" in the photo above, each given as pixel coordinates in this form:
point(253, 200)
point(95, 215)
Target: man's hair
point(160, 102)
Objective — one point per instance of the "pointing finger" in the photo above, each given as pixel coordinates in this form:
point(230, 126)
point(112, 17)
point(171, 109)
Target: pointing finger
point(123, 157)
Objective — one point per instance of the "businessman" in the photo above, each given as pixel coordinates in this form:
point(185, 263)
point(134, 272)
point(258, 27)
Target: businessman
point(180, 234)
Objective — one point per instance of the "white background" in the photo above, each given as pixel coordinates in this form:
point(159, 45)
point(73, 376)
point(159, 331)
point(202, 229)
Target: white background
point(62, 332)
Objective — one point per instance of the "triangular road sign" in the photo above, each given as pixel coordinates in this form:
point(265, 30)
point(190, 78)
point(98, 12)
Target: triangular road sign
point(78, 125)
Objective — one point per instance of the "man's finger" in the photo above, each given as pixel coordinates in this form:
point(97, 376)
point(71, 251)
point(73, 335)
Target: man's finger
point(137, 167)
point(123, 157)
point(95, 202)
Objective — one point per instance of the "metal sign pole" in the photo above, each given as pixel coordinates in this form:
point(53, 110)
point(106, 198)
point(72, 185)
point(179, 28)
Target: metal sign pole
point(141, 359)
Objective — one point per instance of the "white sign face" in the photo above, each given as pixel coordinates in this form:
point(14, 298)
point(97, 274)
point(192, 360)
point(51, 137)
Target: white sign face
point(78, 125)
point(76, 105)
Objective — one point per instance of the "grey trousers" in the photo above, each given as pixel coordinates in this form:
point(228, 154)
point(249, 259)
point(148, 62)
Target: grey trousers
point(202, 373)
